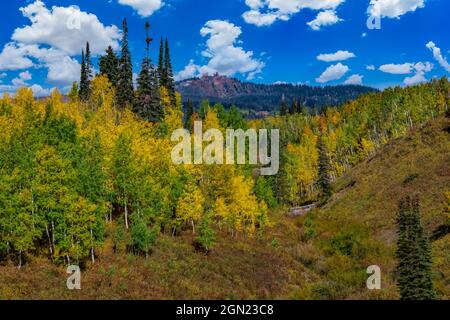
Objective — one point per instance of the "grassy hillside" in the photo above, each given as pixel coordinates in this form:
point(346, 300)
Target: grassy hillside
point(321, 256)
point(357, 227)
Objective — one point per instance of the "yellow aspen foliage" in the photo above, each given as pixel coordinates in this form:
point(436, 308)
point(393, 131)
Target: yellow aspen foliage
point(190, 206)
point(241, 211)
point(367, 147)
point(102, 93)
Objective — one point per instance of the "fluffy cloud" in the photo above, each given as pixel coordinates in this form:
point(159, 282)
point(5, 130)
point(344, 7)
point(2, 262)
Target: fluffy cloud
point(224, 56)
point(393, 8)
point(355, 79)
point(419, 69)
point(324, 18)
point(62, 69)
point(337, 56)
point(391, 68)
point(52, 39)
point(22, 81)
point(333, 72)
point(13, 57)
point(65, 28)
point(267, 12)
point(370, 67)
point(144, 8)
point(438, 56)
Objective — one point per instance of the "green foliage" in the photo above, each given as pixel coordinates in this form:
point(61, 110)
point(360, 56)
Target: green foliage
point(148, 101)
point(206, 237)
point(142, 238)
point(413, 253)
point(125, 89)
point(109, 66)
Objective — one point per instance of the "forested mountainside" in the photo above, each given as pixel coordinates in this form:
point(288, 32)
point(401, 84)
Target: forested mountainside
point(264, 97)
point(89, 182)
point(310, 257)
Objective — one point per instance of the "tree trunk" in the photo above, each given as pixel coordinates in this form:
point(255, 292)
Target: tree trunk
point(92, 247)
point(126, 216)
point(49, 240)
point(20, 259)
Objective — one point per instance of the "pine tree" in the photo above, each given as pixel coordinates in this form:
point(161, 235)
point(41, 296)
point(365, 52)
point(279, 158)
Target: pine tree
point(83, 79)
point(189, 113)
point(148, 102)
point(170, 83)
point(109, 66)
point(161, 68)
point(284, 108)
point(413, 253)
point(324, 178)
point(86, 74)
point(125, 89)
point(293, 109)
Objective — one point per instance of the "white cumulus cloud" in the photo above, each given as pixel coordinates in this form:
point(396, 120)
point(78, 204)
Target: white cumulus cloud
point(65, 28)
point(267, 12)
point(337, 56)
point(418, 70)
point(355, 79)
point(438, 55)
point(324, 18)
point(333, 72)
point(144, 8)
point(393, 8)
point(223, 54)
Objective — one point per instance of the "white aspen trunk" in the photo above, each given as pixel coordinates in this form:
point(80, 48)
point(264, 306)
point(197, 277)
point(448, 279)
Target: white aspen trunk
point(92, 247)
point(126, 216)
point(49, 240)
point(20, 259)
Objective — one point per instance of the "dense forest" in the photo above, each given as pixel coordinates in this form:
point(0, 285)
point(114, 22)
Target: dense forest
point(253, 98)
point(98, 166)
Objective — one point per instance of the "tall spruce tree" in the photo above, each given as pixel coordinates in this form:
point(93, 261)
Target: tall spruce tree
point(161, 68)
point(188, 115)
point(84, 83)
point(413, 253)
point(324, 177)
point(170, 82)
point(125, 89)
point(109, 65)
point(86, 74)
point(148, 101)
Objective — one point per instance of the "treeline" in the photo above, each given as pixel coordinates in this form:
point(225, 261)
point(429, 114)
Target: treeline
point(254, 97)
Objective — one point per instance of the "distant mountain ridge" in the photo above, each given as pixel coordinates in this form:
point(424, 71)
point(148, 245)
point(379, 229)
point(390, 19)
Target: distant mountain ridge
point(264, 97)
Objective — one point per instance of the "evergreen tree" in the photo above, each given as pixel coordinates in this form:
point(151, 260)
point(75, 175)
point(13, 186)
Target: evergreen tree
point(161, 68)
point(189, 113)
point(86, 74)
point(284, 108)
point(324, 178)
point(83, 93)
point(413, 253)
point(109, 66)
point(170, 82)
point(125, 89)
point(148, 102)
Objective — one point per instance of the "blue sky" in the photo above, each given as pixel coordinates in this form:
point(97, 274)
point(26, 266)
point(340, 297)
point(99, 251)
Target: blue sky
point(316, 42)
